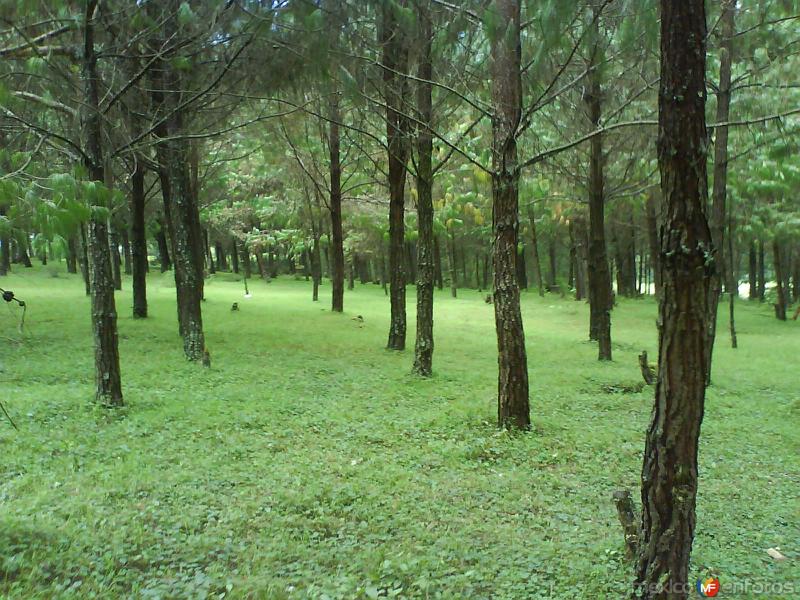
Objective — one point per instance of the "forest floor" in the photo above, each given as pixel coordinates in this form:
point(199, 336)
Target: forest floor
point(309, 463)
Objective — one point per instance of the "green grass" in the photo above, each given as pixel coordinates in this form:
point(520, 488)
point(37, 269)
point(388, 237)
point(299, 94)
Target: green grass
point(309, 463)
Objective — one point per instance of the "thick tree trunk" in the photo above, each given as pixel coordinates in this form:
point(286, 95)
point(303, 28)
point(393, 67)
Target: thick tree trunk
point(669, 472)
point(780, 287)
point(796, 275)
point(513, 409)
point(180, 203)
point(600, 293)
point(395, 61)
point(423, 346)
point(537, 263)
point(138, 242)
point(108, 387)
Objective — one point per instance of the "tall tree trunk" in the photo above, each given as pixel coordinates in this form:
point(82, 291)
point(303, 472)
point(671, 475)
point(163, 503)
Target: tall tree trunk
point(719, 192)
point(423, 346)
point(108, 386)
point(180, 206)
point(138, 242)
point(600, 294)
point(669, 472)
point(513, 409)
point(796, 274)
point(752, 271)
point(395, 61)
point(335, 208)
point(780, 288)
point(537, 263)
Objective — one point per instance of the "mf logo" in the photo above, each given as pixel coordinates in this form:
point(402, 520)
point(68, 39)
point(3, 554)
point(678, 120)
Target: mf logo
point(708, 588)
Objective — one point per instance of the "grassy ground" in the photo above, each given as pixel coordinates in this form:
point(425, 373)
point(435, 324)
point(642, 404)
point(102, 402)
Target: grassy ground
point(309, 463)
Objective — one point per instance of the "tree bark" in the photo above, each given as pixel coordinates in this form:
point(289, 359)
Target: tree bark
point(335, 209)
point(108, 386)
point(600, 293)
point(423, 346)
point(138, 242)
point(669, 472)
point(513, 409)
point(180, 203)
point(395, 61)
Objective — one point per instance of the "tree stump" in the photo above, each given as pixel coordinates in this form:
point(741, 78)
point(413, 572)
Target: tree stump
point(649, 373)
